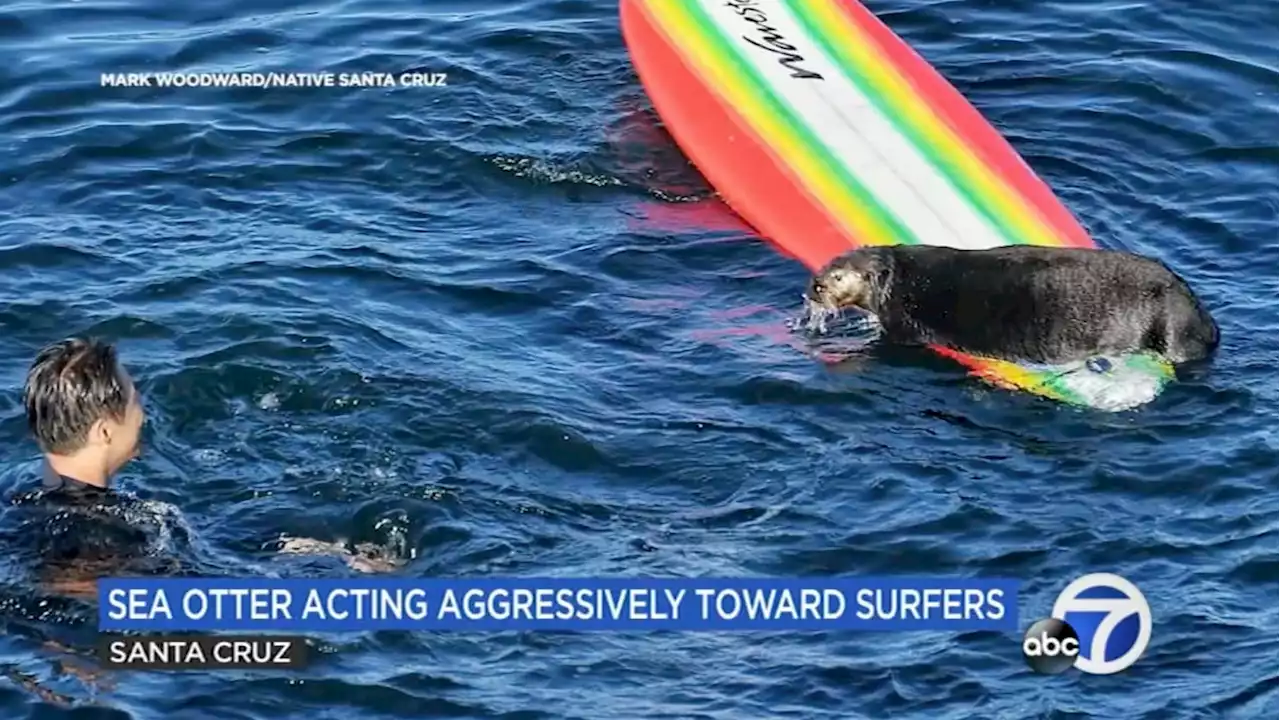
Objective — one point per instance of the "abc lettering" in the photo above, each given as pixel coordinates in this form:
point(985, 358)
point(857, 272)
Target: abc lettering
point(1050, 646)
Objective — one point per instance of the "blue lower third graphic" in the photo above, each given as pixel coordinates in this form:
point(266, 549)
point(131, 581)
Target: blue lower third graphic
point(612, 604)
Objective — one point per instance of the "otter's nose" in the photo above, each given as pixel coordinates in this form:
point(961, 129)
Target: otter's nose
point(816, 289)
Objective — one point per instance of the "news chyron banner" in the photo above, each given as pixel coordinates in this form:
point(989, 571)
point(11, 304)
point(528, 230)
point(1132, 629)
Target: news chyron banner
point(182, 623)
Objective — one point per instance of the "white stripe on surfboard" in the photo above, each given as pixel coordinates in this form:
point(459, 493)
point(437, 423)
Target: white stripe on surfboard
point(855, 131)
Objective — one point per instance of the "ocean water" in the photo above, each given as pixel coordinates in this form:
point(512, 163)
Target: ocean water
point(501, 327)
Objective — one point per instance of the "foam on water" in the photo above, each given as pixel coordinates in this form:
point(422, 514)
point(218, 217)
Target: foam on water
point(550, 172)
point(164, 522)
point(815, 319)
point(832, 335)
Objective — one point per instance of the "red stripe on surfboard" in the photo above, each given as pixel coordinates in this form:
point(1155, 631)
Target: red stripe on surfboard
point(752, 180)
point(968, 123)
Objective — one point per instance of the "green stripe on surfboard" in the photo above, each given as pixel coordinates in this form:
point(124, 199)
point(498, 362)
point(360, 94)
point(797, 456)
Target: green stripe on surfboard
point(722, 47)
point(835, 48)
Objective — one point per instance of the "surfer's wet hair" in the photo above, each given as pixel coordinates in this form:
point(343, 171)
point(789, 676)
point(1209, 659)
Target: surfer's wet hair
point(71, 385)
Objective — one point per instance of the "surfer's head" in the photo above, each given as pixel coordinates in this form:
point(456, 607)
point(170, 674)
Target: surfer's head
point(83, 409)
point(850, 281)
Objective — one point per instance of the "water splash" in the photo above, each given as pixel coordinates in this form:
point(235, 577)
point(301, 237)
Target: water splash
point(390, 551)
point(545, 171)
point(822, 322)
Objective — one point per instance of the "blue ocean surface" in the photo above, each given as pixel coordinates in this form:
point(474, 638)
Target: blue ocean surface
point(502, 327)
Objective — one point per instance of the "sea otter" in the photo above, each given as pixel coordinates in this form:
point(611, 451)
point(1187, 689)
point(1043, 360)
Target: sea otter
point(1021, 303)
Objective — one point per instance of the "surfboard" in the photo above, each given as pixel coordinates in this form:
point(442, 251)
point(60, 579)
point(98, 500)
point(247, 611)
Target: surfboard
point(826, 131)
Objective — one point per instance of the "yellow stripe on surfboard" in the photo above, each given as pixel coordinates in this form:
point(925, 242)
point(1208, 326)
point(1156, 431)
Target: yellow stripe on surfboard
point(691, 34)
point(856, 51)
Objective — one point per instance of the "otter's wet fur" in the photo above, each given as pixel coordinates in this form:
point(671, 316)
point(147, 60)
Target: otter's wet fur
point(1021, 303)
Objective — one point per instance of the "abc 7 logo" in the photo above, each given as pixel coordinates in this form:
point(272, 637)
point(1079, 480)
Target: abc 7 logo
point(1112, 641)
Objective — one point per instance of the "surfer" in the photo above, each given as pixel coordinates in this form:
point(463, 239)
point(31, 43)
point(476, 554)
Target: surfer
point(86, 416)
point(1020, 303)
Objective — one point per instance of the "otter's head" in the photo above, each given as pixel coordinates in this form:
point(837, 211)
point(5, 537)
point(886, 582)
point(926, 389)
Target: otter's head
point(849, 281)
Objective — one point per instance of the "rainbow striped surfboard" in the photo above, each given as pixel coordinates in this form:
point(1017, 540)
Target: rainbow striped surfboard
point(825, 131)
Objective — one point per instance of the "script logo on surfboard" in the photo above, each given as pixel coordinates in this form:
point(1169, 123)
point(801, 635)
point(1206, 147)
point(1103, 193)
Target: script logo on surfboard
point(771, 40)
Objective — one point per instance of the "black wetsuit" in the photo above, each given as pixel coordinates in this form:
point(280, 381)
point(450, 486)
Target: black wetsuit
point(61, 535)
point(71, 524)
point(81, 522)
point(56, 540)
